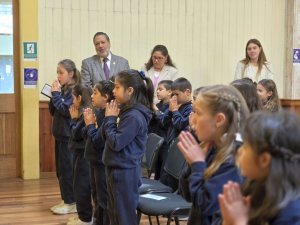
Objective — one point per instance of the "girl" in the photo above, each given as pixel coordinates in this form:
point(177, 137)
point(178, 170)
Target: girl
point(82, 190)
point(248, 90)
point(267, 91)
point(125, 131)
point(102, 94)
point(61, 89)
point(218, 113)
point(269, 159)
point(255, 64)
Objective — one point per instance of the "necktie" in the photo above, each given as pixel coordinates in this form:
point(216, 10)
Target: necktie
point(105, 68)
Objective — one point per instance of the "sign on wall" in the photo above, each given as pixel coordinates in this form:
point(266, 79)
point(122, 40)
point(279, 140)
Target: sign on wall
point(30, 50)
point(30, 77)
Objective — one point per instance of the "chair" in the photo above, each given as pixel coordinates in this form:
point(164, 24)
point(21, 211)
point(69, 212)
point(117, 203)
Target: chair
point(170, 205)
point(154, 143)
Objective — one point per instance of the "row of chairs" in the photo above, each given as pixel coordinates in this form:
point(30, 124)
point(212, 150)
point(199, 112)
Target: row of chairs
point(157, 199)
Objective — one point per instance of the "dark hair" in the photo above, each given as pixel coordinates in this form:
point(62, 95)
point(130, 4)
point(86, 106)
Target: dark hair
point(196, 92)
point(106, 87)
point(85, 92)
point(70, 66)
point(262, 60)
point(166, 83)
point(142, 93)
point(101, 33)
point(277, 134)
point(248, 90)
point(181, 84)
point(164, 51)
point(273, 104)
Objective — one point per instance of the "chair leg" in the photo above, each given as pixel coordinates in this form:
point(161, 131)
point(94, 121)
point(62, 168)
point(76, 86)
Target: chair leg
point(157, 220)
point(150, 221)
point(169, 220)
point(177, 221)
point(139, 215)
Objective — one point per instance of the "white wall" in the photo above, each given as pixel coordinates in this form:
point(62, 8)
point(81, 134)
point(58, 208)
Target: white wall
point(205, 38)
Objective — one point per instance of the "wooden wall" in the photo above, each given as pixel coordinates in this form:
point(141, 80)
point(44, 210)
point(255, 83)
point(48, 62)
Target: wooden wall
point(46, 140)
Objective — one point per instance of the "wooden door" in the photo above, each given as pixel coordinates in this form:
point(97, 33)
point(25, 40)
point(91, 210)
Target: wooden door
point(9, 97)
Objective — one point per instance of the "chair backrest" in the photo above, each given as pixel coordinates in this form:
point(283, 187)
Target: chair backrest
point(175, 161)
point(154, 143)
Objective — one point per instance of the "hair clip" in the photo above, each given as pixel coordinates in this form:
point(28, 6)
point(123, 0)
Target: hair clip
point(142, 74)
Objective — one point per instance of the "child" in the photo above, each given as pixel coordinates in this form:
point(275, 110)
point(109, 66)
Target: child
point(218, 113)
point(267, 92)
point(102, 94)
point(248, 90)
point(125, 131)
point(81, 184)
point(269, 159)
point(61, 89)
point(163, 95)
point(176, 118)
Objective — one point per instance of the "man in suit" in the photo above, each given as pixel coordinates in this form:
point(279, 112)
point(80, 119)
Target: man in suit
point(104, 65)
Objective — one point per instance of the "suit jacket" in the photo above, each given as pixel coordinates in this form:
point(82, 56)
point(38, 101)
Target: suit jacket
point(92, 71)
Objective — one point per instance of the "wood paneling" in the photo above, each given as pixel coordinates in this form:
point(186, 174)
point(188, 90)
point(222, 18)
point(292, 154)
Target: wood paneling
point(291, 104)
point(8, 159)
point(46, 140)
point(205, 38)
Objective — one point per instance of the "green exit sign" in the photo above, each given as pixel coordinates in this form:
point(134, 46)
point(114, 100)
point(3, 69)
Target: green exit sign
point(30, 50)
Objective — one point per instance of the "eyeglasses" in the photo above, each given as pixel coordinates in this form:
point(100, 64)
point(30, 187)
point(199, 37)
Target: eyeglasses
point(159, 58)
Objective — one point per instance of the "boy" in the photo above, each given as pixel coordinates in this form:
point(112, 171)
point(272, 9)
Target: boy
point(176, 118)
point(163, 95)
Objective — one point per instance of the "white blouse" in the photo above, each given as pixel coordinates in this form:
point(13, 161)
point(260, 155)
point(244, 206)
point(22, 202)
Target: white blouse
point(250, 71)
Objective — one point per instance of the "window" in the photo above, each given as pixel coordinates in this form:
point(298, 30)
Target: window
point(6, 48)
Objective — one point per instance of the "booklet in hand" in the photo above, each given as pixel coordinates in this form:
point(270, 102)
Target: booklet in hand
point(46, 90)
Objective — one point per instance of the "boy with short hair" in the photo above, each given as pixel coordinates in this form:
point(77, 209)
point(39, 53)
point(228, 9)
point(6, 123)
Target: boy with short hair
point(176, 118)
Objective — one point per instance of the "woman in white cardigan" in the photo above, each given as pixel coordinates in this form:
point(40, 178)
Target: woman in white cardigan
point(255, 64)
point(160, 66)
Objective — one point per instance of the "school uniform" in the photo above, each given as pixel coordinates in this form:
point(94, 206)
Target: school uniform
point(175, 122)
point(204, 193)
point(124, 148)
point(59, 108)
point(289, 215)
point(81, 182)
point(93, 153)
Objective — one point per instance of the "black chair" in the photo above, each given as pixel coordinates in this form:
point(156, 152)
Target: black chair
point(171, 205)
point(154, 143)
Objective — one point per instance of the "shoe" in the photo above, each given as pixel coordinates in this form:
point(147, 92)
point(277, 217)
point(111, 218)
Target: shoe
point(65, 209)
point(58, 205)
point(79, 222)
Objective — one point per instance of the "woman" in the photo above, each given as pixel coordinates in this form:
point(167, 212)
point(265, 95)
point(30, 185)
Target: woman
point(160, 66)
point(255, 65)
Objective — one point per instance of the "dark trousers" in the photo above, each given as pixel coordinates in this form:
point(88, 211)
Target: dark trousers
point(82, 188)
point(64, 172)
point(99, 193)
point(123, 195)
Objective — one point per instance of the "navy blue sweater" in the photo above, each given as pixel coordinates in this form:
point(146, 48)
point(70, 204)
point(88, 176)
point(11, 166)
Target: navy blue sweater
point(155, 125)
point(204, 193)
point(126, 141)
point(290, 215)
point(59, 108)
point(94, 143)
point(77, 141)
point(176, 121)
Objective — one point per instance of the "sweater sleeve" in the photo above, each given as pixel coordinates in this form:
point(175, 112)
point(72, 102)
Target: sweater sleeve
point(181, 121)
point(95, 135)
point(61, 105)
point(204, 193)
point(239, 70)
point(77, 126)
point(119, 136)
